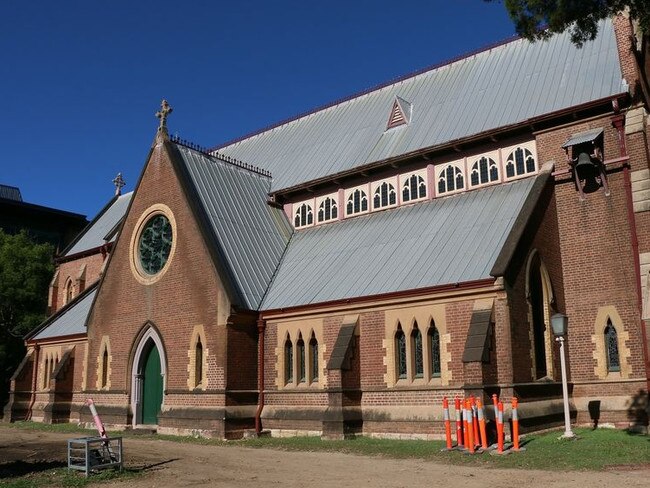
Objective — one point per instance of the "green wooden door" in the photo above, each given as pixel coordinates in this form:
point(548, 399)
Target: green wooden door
point(152, 388)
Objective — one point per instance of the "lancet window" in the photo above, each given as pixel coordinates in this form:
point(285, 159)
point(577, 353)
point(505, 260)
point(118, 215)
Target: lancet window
point(484, 170)
point(327, 210)
point(304, 215)
point(519, 162)
point(357, 202)
point(450, 178)
point(414, 188)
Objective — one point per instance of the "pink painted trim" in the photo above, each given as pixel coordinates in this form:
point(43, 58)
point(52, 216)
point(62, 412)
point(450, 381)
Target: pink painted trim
point(288, 210)
point(341, 204)
point(431, 182)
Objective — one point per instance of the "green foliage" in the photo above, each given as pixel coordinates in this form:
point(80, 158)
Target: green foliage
point(580, 17)
point(25, 272)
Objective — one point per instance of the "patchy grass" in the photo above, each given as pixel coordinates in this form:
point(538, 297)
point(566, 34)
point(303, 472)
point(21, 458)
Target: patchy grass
point(70, 428)
point(62, 477)
point(599, 449)
point(593, 450)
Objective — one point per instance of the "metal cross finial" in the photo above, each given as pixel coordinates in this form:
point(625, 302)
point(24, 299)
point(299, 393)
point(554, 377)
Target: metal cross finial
point(119, 184)
point(162, 114)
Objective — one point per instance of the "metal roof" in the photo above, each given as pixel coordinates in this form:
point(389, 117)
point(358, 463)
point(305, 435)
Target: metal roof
point(443, 241)
point(71, 321)
point(94, 235)
point(10, 193)
point(499, 87)
point(252, 234)
point(579, 138)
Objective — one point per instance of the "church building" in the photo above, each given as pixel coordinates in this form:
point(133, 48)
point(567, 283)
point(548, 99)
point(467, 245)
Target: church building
point(340, 273)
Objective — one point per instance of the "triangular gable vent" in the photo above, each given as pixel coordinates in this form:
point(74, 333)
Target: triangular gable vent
point(400, 113)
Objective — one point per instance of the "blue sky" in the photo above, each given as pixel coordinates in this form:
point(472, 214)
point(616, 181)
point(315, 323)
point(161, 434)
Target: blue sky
point(81, 80)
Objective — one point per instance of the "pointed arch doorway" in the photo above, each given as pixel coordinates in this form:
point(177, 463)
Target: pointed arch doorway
point(539, 293)
point(148, 379)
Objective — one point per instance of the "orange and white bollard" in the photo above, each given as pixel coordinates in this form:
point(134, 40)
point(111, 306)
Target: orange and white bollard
point(515, 424)
point(445, 413)
point(481, 423)
point(470, 427)
point(465, 424)
point(459, 423)
point(472, 402)
point(500, 427)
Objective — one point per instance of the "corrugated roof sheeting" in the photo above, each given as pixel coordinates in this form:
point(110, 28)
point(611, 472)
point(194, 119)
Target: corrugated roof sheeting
point(253, 234)
point(70, 322)
point(579, 138)
point(443, 241)
point(94, 235)
point(499, 87)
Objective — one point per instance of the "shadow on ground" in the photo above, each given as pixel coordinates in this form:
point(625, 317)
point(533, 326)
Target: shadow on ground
point(151, 467)
point(16, 469)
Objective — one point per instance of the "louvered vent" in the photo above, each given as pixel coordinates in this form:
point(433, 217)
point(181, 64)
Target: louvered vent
point(400, 113)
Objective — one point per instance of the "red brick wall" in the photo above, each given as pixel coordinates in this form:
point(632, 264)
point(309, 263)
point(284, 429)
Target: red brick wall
point(372, 333)
point(597, 256)
point(71, 269)
point(187, 295)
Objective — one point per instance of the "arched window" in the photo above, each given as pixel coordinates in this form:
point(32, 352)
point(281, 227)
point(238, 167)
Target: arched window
point(520, 162)
point(450, 179)
point(611, 348)
point(400, 352)
point(313, 355)
point(303, 216)
point(327, 210)
point(69, 291)
point(288, 360)
point(434, 350)
point(357, 202)
point(484, 170)
point(198, 362)
point(300, 347)
point(414, 188)
point(104, 380)
point(46, 372)
point(384, 195)
point(416, 347)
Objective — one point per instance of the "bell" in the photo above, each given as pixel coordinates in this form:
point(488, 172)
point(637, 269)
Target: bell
point(585, 168)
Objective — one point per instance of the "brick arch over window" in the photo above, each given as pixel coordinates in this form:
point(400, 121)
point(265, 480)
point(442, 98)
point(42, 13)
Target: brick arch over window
point(197, 354)
point(419, 325)
point(68, 291)
point(539, 294)
point(104, 360)
point(299, 355)
point(288, 360)
point(401, 358)
point(608, 316)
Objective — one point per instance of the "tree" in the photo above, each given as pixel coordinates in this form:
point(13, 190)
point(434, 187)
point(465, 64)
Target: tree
point(25, 272)
point(539, 19)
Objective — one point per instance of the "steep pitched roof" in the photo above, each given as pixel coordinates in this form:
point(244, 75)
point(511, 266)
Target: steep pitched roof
point(248, 235)
point(448, 240)
point(99, 231)
point(500, 87)
point(69, 320)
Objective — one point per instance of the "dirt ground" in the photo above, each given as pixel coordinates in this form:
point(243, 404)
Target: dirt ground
point(170, 464)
